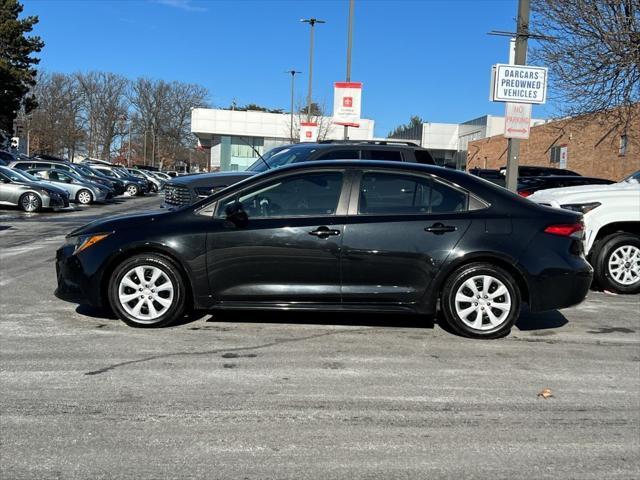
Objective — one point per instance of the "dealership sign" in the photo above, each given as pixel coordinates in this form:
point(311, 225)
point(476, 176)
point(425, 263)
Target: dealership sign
point(347, 98)
point(308, 132)
point(519, 84)
point(517, 120)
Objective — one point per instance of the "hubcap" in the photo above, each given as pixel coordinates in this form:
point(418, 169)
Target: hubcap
point(30, 202)
point(624, 265)
point(146, 293)
point(483, 302)
point(84, 197)
point(131, 190)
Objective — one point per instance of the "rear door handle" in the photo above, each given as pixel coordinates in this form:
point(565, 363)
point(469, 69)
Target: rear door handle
point(440, 228)
point(324, 232)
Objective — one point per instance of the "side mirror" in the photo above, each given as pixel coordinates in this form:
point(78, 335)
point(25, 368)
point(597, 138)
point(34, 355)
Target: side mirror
point(236, 215)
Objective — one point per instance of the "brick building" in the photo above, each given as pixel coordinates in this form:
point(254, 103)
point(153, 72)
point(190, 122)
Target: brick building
point(592, 145)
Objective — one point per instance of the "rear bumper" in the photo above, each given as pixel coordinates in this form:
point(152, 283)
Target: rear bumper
point(559, 288)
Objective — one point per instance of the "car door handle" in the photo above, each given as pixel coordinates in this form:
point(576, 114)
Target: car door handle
point(324, 232)
point(440, 228)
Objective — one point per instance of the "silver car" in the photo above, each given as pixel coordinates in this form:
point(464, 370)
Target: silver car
point(80, 190)
point(24, 191)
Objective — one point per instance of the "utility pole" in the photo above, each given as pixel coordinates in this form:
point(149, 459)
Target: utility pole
point(349, 45)
point(293, 75)
point(312, 22)
point(129, 154)
point(522, 35)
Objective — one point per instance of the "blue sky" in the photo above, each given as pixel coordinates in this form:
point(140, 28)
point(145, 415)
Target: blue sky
point(420, 57)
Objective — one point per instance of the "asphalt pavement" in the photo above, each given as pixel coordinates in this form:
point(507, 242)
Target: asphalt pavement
point(302, 396)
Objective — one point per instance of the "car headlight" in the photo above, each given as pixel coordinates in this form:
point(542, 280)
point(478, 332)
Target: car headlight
point(581, 207)
point(82, 242)
point(206, 191)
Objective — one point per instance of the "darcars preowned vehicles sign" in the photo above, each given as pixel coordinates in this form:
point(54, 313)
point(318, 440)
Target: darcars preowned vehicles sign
point(519, 84)
point(346, 103)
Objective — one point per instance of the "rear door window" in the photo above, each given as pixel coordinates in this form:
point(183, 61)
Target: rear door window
point(398, 194)
point(383, 154)
point(352, 154)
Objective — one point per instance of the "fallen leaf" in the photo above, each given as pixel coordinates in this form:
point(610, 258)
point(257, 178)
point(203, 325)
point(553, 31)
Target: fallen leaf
point(545, 393)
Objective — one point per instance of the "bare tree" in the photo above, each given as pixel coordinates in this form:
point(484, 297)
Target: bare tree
point(55, 125)
point(317, 116)
point(105, 105)
point(592, 49)
point(150, 98)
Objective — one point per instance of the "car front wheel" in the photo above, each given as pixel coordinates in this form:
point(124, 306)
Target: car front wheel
point(84, 197)
point(132, 190)
point(480, 300)
point(617, 263)
point(147, 291)
point(30, 202)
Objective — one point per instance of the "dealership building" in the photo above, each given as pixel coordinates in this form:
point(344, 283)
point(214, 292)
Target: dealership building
point(235, 136)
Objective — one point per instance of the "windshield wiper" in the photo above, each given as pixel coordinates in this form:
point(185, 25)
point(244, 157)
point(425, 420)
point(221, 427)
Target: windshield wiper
point(256, 152)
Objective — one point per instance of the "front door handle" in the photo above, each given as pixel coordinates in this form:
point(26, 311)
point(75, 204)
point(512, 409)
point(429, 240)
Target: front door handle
point(440, 228)
point(324, 232)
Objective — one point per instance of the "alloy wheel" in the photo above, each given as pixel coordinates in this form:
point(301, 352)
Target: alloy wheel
point(624, 264)
point(132, 190)
point(146, 293)
point(84, 197)
point(30, 202)
point(483, 302)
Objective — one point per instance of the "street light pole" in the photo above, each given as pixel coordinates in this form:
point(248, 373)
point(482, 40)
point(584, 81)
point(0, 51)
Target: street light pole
point(522, 35)
point(349, 45)
point(293, 75)
point(312, 22)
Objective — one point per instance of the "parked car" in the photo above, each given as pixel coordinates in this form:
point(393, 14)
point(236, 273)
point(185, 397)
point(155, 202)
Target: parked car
point(60, 164)
point(80, 191)
point(22, 190)
point(535, 171)
point(612, 228)
point(345, 235)
point(133, 186)
point(161, 176)
point(529, 185)
point(186, 190)
point(153, 183)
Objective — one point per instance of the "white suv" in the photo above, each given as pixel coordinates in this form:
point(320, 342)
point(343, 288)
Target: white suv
point(612, 228)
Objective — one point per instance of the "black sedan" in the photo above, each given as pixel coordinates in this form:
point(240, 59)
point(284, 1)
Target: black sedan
point(341, 235)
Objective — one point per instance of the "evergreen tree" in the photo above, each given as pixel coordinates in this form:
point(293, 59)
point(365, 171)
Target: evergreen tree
point(17, 72)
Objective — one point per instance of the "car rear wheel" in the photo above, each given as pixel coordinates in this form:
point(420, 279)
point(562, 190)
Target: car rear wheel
point(481, 301)
point(132, 190)
point(30, 202)
point(84, 197)
point(617, 263)
point(147, 291)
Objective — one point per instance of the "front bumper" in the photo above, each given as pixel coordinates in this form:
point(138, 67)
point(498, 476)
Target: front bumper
point(74, 285)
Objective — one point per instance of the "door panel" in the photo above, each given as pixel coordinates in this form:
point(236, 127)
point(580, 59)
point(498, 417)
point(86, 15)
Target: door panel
point(397, 238)
point(279, 241)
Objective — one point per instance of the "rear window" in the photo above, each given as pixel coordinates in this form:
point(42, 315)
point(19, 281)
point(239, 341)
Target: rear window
point(422, 156)
point(340, 155)
point(389, 155)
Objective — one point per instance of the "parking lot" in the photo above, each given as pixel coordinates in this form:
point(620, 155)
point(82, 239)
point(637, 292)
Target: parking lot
point(301, 395)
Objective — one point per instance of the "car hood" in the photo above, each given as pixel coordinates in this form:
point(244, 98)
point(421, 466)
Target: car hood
point(45, 185)
point(119, 222)
point(585, 193)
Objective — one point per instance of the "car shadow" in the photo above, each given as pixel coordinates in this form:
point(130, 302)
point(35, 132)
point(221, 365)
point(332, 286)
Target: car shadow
point(106, 314)
point(529, 321)
point(361, 319)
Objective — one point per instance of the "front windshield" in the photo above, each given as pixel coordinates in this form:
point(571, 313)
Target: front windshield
point(282, 157)
point(633, 178)
point(85, 170)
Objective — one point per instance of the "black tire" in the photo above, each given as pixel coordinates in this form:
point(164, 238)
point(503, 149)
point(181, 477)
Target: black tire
point(81, 197)
point(132, 190)
point(30, 202)
point(455, 284)
point(606, 248)
point(149, 261)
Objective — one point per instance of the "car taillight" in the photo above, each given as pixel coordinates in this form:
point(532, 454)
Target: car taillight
point(525, 194)
point(565, 229)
